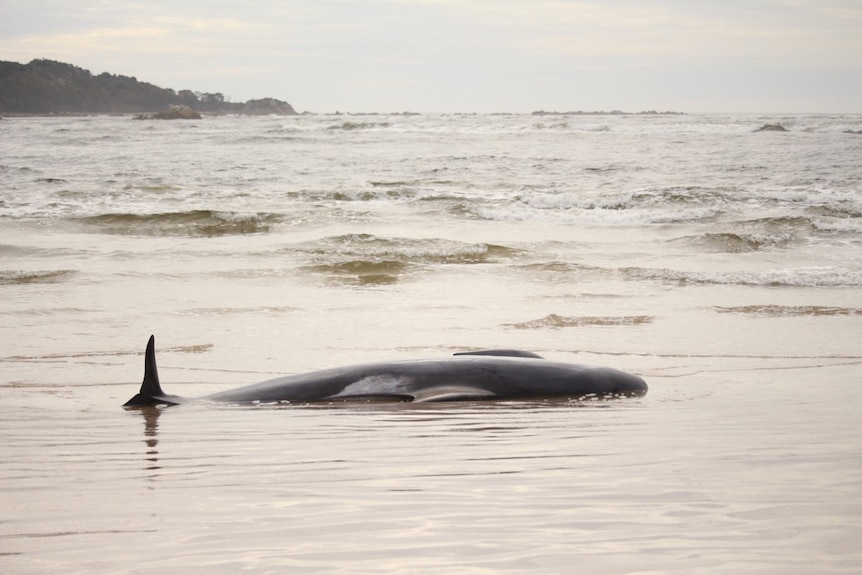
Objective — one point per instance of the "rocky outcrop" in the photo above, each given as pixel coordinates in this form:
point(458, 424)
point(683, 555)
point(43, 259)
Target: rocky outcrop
point(172, 113)
point(771, 128)
point(266, 106)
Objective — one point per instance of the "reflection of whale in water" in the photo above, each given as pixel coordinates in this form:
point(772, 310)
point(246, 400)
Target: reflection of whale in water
point(469, 376)
point(151, 432)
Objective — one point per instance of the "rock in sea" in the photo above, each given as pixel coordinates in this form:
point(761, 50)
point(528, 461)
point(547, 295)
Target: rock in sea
point(172, 113)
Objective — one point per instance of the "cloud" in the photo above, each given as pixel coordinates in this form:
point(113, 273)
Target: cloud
point(687, 30)
point(422, 53)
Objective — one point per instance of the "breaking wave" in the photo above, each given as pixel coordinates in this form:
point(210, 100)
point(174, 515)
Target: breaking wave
point(18, 277)
point(558, 321)
point(820, 276)
point(736, 243)
point(370, 259)
point(362, 272)
point(791, 310)
point(752, 235)
point(267, 309)
point(407, 250)
point(352, 125)
point(795, 209)
point(191, 223)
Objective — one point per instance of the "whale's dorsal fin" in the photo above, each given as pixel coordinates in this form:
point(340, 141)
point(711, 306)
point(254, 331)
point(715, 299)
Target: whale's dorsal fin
point(502, 353)
point(151, 386)
point(151, 392)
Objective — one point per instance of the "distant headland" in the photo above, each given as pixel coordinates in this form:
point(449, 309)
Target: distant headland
point(47, 87)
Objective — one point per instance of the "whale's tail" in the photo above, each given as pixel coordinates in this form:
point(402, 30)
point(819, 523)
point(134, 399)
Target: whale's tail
point(151, 392)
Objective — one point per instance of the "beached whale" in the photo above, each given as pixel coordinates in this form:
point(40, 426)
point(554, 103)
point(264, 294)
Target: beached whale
point(467, 376)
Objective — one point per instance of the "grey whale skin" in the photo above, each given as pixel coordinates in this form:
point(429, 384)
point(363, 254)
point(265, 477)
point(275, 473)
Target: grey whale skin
point(467, 376)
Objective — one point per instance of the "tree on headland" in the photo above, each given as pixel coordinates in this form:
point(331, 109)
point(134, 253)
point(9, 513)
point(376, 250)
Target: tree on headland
point(50, 87)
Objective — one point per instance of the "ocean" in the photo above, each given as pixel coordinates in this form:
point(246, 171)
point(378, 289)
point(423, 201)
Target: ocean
point(720, 262)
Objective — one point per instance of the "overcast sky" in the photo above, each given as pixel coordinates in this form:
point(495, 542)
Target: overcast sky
point(465, 55)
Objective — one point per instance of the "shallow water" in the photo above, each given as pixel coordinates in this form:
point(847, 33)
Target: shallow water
point(721, 264)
